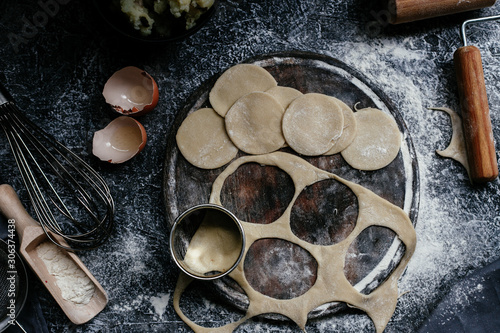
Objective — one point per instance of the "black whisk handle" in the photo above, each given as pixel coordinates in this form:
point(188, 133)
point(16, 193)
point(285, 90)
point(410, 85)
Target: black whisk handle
point(5, 95)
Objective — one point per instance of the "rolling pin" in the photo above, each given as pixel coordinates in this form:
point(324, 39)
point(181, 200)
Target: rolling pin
point(479, 141)
point(403, 11)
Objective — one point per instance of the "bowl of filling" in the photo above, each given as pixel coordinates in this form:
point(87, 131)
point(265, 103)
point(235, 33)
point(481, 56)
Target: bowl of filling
point(155, 21)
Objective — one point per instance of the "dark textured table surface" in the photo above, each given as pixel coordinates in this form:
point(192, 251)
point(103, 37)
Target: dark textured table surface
point(56, 74)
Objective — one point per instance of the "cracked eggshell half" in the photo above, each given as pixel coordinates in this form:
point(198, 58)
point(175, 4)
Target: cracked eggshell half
point(131, 91)
point(120, 140)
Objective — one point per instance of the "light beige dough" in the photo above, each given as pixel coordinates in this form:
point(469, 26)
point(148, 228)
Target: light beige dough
point(236, 82)
point(284, 95)
point(349, 130)
point(456, 149)
point(331, 284)
point(377, 141)
point(215, 246)
point(203, 141)
point(312, 123)
point(254, 123)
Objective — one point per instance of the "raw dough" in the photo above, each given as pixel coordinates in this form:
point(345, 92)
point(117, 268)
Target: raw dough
point(215, 246)
point(254, 123)
point(284, 95)
point(348, 132)
point(377, 142)
point(312, 123)
point(203, 141)
point(236, 82)
point(456, 149)
point(331, 284)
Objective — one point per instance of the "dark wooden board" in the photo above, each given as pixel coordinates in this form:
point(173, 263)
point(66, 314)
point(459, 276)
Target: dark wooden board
point(260, 194)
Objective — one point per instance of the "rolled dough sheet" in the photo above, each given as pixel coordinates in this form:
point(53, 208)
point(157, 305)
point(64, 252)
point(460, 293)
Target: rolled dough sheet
point(254, 123)
point(236, 82)
point(331, 283)
point(312, 123)
point(377, 141)
point(203, 141)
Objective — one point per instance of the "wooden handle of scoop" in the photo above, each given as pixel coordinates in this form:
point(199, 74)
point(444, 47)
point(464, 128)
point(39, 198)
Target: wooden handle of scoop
point(478, 135)
point(12, 208)
point(403, 11)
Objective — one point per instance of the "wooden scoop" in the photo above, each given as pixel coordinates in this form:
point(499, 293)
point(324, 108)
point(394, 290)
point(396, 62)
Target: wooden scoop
point(31, 235)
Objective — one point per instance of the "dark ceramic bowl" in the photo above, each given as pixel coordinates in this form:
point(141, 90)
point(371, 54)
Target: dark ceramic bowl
point(120, 26)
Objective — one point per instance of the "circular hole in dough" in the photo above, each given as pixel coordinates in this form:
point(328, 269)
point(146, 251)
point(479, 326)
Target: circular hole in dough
point(286, 272)
point(377, 141)
point(203, 141)
point(324, 213)
point(365, 253)
point(284, 95)
point(254, 123)
point(348, 131)
point(236, 82)
point(257, 194)
point(312, 123)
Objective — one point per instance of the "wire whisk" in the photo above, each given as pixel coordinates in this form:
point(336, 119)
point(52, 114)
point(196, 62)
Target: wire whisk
point(70, 199)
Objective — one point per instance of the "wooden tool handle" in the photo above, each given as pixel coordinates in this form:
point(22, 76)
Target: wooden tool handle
point(12, 208)
point(478, 135)
point(403, 11)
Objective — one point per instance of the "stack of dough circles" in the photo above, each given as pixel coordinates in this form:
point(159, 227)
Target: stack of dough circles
point(254, 123)
point(203, 141)
point(236, 82)
point(377, 142)
point(312, 123)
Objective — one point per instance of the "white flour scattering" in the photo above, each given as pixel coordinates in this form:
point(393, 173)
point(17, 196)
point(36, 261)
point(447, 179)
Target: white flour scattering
point(75, 285)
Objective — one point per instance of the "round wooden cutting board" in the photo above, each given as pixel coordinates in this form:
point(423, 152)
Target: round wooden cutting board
point(324, 213)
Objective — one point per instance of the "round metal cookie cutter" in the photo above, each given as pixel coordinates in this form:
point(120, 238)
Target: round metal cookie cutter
point(185, 227)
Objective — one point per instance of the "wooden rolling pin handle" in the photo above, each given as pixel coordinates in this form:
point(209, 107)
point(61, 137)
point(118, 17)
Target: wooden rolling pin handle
point(12, 208)
point(403, 11)
point(478, 135)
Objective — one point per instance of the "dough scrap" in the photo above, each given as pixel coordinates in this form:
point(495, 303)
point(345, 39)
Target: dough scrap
point(284, 95)
point(236, 82)
point(254, 123)
point(331, 284)
point(377, 142)
point(312, 123)
point(456, 149)
point(349, 130)
point(203, 141)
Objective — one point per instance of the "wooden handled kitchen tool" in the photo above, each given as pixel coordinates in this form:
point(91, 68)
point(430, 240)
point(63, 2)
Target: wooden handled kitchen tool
point(31, 235)
point(478, 134)
point(402, 11)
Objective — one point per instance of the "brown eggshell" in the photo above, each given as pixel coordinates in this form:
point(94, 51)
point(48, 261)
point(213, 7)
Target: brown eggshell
point(131, 91)
point(120, 140)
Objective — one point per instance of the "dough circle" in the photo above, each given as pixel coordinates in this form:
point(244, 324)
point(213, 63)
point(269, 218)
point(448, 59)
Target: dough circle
point(203, 141)
point(312, 123)
point(254, 123)
point(377, 142)
point(284, 95)
point(236, 82)
point(348, 132)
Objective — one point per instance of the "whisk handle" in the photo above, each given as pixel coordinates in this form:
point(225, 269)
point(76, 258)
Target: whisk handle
point(5, 96)
point(12, 208)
